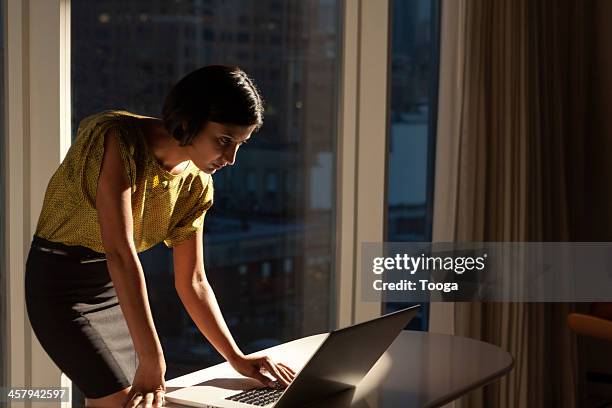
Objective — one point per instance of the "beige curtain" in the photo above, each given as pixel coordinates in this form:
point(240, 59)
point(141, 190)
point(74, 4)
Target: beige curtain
point(515, 147)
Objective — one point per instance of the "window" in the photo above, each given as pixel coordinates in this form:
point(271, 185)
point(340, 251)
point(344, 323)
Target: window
point(411, 150)
point(269, 255)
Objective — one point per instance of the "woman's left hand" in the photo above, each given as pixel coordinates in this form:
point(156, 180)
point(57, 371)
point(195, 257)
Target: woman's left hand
point(256, 366)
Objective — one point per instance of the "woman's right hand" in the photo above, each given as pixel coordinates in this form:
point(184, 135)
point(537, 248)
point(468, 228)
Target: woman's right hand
point(149, 386)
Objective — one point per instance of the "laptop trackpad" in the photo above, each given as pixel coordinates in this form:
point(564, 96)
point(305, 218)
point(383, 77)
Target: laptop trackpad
point(234, 384)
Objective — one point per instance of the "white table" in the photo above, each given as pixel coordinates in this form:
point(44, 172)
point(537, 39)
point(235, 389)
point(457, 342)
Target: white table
point(419, 369)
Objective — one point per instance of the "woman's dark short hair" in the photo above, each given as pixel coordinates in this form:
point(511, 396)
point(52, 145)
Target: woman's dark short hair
point(217, 93)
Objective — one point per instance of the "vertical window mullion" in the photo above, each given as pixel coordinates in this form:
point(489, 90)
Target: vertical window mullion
point(371, 140)
point(346, 177)
point(46, 80)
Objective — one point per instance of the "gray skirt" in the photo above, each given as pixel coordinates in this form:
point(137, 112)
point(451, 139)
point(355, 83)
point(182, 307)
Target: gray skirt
point(75, 314)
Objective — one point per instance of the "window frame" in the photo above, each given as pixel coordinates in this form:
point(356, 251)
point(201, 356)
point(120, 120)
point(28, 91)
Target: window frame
point(39, 135)
point(3, 278)
point(361, 159)
point(37, 129)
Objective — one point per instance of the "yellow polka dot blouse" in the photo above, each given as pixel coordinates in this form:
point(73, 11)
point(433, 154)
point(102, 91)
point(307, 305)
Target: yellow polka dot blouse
point(165, 207)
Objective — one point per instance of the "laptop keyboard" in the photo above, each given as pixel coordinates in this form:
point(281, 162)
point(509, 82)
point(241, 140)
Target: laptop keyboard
point(258, 396)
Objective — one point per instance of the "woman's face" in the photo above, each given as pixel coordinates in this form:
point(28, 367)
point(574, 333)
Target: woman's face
point(216, 145)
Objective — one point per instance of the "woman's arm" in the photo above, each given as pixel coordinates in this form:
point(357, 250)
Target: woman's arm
point(198, 297)
point(201, 304)
point(113, 203)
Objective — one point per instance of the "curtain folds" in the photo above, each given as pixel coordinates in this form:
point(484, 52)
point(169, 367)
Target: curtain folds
point(513, 163)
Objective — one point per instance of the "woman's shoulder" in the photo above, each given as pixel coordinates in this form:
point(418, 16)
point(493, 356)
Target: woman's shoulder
point(124, 124)
point(199, 185)
point(93, 128)
point(109, 117)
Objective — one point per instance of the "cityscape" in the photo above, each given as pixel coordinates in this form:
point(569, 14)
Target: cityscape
point(270, 235)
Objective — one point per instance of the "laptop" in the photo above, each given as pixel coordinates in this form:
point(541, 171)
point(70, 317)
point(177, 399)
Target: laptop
point(339, 363)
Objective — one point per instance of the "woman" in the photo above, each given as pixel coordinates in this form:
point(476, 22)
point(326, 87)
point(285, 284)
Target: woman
point(127, 183)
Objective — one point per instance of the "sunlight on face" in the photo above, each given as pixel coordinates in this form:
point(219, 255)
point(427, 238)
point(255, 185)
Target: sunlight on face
point(217, 144)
